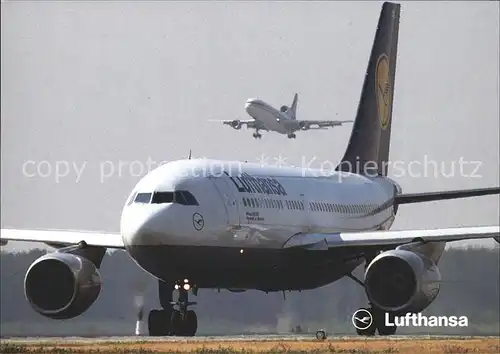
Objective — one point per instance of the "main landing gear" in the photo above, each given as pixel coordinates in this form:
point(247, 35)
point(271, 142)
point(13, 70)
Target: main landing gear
point(171, 320)
point(291, 136)
point(257, 135)
point(369, 320)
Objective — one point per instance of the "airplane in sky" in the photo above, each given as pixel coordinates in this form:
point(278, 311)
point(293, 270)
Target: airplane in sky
point(208, 224)
point(283, 121)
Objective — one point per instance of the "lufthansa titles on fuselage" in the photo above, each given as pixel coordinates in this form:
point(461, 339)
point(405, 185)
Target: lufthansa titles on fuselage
point(264, 185)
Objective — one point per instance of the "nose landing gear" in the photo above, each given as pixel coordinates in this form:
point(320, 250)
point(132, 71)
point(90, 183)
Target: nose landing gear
point(183, 322)
point(174, 319)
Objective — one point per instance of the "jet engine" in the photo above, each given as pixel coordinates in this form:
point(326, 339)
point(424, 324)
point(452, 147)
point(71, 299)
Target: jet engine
point(284, 109)
point(303, 125)
point(401, 281)
point(62, 285)
point(236, 124)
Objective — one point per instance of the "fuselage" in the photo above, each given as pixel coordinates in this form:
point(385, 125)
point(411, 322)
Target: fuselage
point(272, 118)
point(220, 214)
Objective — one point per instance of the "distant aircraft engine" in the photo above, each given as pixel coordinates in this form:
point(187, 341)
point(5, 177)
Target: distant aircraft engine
point(236, 124)
point(401, 281)
point(284, 109)
point(303, 125)
point(62, 285)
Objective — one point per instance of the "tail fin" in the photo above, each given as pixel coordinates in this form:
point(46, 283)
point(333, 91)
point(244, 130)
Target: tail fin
point(368, 148)
point(293, 107)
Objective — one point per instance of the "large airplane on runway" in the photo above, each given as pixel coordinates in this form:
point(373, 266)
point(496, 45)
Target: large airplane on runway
point(283, 121)
point(197, 223)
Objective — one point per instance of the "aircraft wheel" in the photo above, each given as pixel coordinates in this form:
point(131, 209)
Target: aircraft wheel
point(320, 335)
point(158, 323)
point(384, 330)
point(365, 322)
point(191, 323)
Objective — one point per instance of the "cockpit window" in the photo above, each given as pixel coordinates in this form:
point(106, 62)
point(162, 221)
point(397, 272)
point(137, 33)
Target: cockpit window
point(179, 197)
point(190, 199)
point(131, 198)
point(163, 197)
point(143, 198)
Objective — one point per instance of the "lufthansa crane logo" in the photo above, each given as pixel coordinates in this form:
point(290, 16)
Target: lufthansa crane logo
point(383, 90)
point(362, 319)
point(198, 221)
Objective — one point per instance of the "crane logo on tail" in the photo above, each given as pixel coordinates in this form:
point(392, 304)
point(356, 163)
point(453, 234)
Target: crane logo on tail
point(383, 90)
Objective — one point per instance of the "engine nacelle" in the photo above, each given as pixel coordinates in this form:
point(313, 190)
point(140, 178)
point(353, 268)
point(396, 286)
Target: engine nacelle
point(284, 109)
point(401, 281)
point(303, 125)
point(236, 124)
point(62, 285)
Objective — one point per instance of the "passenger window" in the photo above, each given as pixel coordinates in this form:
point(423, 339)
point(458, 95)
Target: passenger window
point(244, 202)
point(143, 198)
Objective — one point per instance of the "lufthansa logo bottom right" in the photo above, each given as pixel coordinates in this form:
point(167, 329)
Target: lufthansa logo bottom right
point(362, 319)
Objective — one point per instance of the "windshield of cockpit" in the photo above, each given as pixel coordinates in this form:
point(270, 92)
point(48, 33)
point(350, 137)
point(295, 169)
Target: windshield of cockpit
point(177, 197)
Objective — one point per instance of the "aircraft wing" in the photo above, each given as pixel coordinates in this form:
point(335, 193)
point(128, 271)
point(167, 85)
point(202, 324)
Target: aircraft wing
point(320, 124)
point(389, 239)
point(249, 123)
point(63, 237)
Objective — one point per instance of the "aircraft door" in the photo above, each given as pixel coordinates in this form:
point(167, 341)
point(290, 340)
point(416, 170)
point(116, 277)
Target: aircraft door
point(226, 192)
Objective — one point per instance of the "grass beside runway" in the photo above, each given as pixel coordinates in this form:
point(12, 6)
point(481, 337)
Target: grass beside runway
point(355, 346)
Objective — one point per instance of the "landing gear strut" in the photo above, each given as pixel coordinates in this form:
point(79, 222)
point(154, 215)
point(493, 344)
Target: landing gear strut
point(291, 136)
point(171, 320)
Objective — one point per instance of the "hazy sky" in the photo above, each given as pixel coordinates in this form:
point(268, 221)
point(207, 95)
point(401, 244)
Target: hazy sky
point(93, 84)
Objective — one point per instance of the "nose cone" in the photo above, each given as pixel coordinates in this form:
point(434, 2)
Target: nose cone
point(253, 103)
point(142, 225)
point(248, 103)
